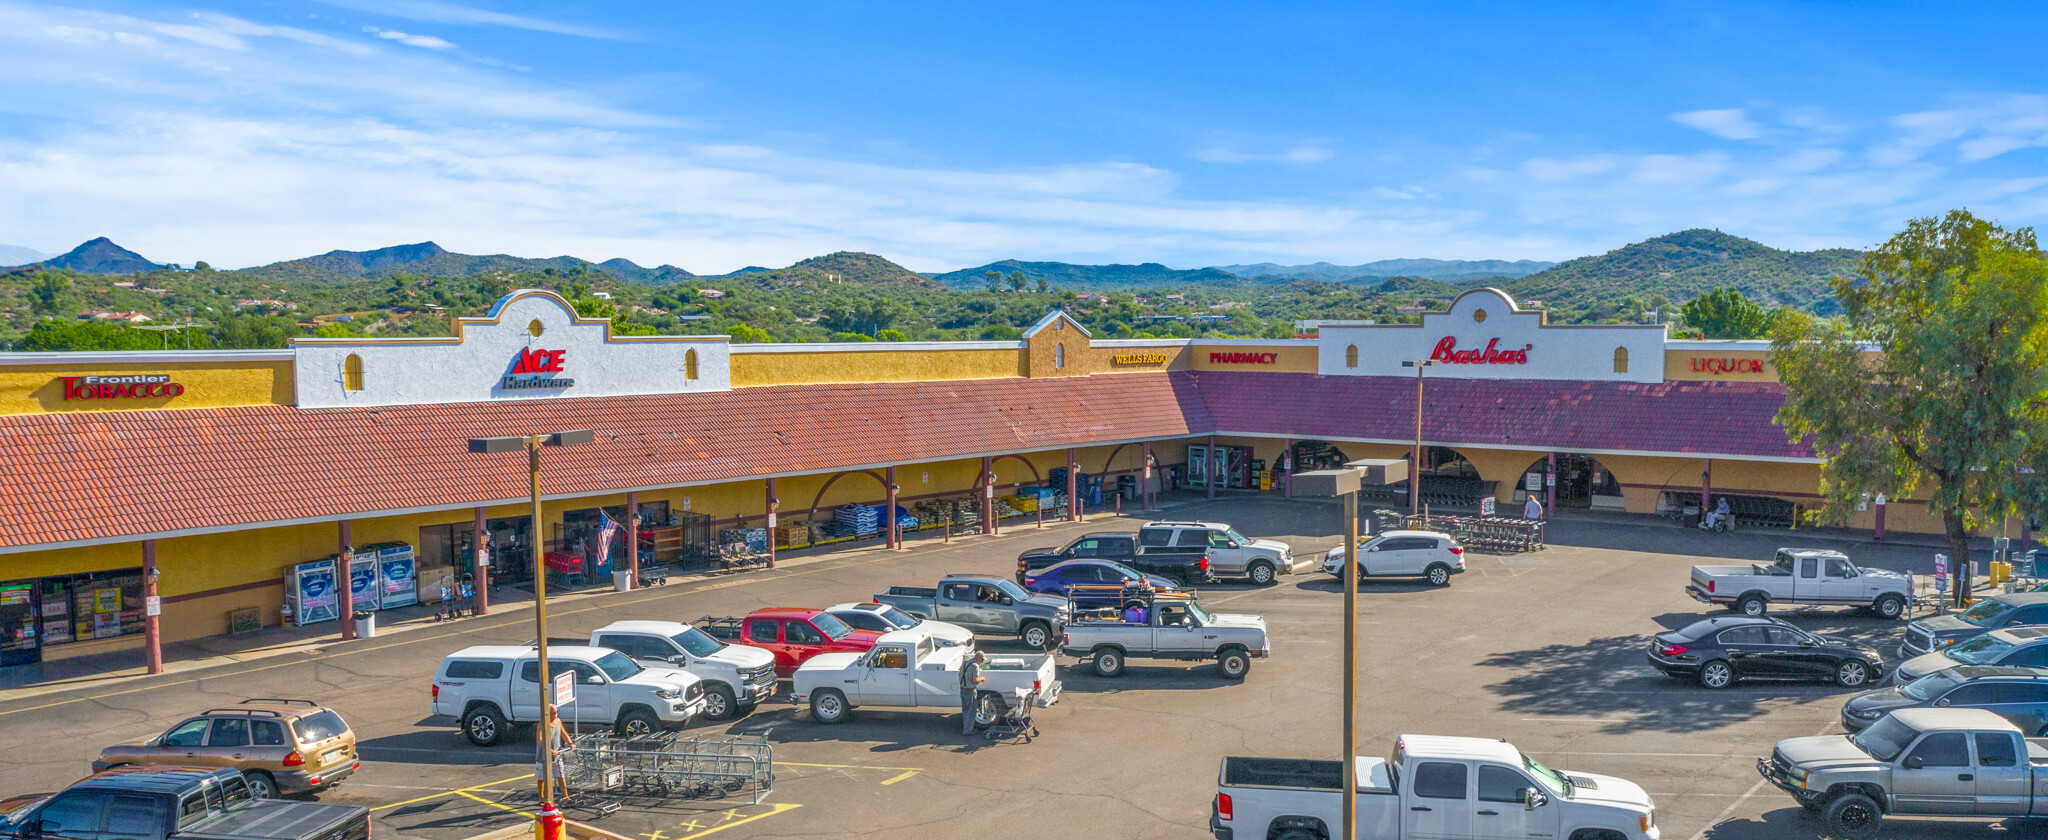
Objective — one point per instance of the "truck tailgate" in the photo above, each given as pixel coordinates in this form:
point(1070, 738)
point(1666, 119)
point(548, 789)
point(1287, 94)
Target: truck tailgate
point(1010, 672)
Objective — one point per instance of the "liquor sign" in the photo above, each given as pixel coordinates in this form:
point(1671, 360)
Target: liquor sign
point(1243, 358)
point(1700, 365)
point(142, 386)
point(1140, 358)
point(1447, 352)
point(537, 364)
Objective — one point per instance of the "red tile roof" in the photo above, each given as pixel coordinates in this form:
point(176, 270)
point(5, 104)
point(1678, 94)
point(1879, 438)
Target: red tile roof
point(74, 477)
point(1717, 418)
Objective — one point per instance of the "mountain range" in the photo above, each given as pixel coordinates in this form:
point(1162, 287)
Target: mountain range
point(18, 255)
point(95, 256)
point(1392, 268)
point(431, 260)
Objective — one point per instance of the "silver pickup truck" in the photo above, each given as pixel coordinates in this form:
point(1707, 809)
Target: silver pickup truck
point(1950, 762)
point(1801, 576)
point(1166, 625)
point(987, 605)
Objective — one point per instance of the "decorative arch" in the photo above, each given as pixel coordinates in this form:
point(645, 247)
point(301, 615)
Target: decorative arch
point(1620, 360)
point(690, 365)
point(352, 373)
point(839, 475)
point(1351, 356)
point(1109, 463)
point(983, 480)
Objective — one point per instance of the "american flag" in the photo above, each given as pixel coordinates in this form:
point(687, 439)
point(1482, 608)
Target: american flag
point(606, 529)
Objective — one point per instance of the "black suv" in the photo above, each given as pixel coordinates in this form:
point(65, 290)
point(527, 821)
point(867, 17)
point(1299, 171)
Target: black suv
point(2018, 694)
point(169, 802)
point(1718, 651)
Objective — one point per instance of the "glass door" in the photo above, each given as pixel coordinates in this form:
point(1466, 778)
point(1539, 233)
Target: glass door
point(20, 644)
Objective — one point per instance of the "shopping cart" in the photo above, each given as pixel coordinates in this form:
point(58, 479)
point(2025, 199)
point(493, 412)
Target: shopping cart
point(601, 770)
point(1015, 724)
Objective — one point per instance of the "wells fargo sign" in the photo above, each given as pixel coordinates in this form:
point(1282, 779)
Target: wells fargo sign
point(1700, 365)
point(1447, 351)
point(1243, 358)
point(144, 386)
point(537, 364)
point(1140, 358)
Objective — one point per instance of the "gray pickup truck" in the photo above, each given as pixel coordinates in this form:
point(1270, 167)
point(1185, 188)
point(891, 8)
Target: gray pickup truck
point(987, 605)
point(1166, 625)
point(1932, 762)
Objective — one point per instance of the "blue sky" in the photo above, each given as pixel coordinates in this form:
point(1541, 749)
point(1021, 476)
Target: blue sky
point(716, 135)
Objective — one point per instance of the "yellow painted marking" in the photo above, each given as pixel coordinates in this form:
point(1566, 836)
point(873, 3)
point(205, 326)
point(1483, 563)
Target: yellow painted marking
point(690, 825)
point(905, 775)
point(731, 815)
point(461, 791)
point(778, 808)
point(847, 766)
point(657, 835)
point(497, 805)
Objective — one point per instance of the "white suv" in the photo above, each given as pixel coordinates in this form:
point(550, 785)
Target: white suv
point(489, 688)
point(1231, 554)
point(1425, 554)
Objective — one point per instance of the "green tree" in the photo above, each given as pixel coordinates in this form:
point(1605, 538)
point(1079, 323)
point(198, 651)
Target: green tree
point(1957, 395)
point(850, 336)
point(994, 279)
point(253, 332)
point(1017, 281)
point(1043, 285)
point(68, 336)
point(1727, 313)
point(49, 294)
point(336, 331)
point(891, 335)
point(745, 334)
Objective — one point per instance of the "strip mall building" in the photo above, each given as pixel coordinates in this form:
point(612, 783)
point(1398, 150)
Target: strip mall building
point(223, 471)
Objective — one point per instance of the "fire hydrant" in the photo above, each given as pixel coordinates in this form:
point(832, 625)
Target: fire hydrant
point(550, 824)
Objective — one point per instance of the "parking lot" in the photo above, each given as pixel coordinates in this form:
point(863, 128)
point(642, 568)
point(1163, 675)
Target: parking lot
point(1544, 650)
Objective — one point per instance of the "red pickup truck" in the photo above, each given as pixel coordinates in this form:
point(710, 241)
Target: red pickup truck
point(792, 634)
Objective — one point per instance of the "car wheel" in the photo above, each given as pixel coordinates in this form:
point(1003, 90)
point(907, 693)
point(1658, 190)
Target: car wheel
point(1853, 816)
point(636, 723)
point(1234, 664)
point(1261, 574)
point(1439, 575)
point(828, 707)
point(1109, 662)
point(1752, 605)
point(1717, 675)
point(1037, 636)
point(1852, 674)
point(988, 709)
point(719, 703)
point(261, 785)
point(484, 726)
point(1890, 606)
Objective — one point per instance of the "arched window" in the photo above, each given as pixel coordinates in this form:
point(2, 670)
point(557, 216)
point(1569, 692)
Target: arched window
point(1351, 356)
point(352, 373)
point(1620, 360)
point(1059, 355)
point(690, 365)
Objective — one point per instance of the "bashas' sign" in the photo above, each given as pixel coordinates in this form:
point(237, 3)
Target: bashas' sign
point(1447, 351)
point(537, 364)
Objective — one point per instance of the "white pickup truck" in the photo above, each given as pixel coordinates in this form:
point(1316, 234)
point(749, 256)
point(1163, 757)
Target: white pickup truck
point(1801, 576)
point(1431, 787)
point(909, 669)
point(736, 677)
point(489, 688)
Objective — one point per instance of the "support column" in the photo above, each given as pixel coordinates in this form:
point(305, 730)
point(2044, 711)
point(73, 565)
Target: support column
point(480, 562)
point(1878, 535)
point(893, 537)
point(1145, 480)
point(152, 633)
point(1550, 485)
point(1073, 489)
point(1706, 488)
point(632, 541)
point(1287, 467)
point(1209, 469)
point(988, 496)
point(344, 584)
point(772, 505)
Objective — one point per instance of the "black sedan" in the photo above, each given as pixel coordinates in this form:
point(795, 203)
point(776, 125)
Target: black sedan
point(1719, 651)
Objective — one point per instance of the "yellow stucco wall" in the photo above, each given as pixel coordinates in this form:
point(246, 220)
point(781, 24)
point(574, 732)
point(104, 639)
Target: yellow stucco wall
point(880, 365)
point(1286, 359)
point(39, 389)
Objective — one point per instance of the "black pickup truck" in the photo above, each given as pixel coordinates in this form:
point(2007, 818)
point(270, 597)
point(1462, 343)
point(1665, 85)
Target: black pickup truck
point(1183, 566)
point(168, 802)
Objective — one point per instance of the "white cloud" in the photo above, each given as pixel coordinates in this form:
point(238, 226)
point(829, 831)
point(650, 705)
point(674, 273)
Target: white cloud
point(433, 11)
point(1301, 155)
point(1726, 123)
point(424, 41)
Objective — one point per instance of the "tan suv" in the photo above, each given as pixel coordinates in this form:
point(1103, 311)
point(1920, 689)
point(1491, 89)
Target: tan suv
point(281, 746)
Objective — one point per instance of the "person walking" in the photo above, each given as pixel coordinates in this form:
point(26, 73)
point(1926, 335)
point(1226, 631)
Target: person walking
point(1532, 510)
point(970, 680)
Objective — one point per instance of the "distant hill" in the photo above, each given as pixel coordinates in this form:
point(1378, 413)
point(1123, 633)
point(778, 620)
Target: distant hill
point(752, 269)
point(1092, 277)
point(101, 256)
point(1689, 263)
point(17, 255)
point(848, 267)
point(1393, 268)
point(431, 260)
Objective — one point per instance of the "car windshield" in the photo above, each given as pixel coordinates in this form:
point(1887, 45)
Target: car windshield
point(696, 642)
point(318, 726)
point(1931, 686)
point(617, 666)
point(1980, 650)
point(1014, 591)
point(1986, 612)
point(896, 618)
point(1207, 618)
point(1885, 739)
point(832, 627)
point(1549, 778)
point(1236, 537)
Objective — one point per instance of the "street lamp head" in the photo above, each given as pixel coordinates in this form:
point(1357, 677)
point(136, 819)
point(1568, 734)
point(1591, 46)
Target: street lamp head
point(496, 444)
point(1419, 363)
point(577, 437)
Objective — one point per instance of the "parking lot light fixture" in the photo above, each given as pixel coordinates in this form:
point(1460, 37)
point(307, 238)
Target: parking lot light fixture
point(532, 444)
point(1415, 484)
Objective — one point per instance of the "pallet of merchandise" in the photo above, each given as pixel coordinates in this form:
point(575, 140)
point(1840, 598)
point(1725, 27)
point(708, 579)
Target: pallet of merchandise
point(1022, 503)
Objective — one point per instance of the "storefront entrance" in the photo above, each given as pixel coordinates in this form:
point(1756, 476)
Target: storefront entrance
point(39, 615)
point(19, 641)
point(1581, 482)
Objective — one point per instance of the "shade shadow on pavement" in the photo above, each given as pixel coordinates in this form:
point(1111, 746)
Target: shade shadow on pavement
point(1607, 679)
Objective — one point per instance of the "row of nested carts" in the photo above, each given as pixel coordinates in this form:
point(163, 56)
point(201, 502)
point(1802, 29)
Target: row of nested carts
point(959, 513)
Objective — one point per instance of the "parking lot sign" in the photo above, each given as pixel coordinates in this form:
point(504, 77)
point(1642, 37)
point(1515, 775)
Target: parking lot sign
point(1486, 506)
point(1941, 573)
point(565, 688)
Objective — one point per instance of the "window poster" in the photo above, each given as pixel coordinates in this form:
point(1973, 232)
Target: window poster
point(107, 601)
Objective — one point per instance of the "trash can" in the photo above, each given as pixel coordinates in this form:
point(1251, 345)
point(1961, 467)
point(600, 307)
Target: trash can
point(366, 625)
point(1127, 486)
point(622, 581)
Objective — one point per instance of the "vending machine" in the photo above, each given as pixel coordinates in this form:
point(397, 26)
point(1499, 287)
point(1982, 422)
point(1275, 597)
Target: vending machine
point(310, 595)
point(396, 572)
point(363, 588)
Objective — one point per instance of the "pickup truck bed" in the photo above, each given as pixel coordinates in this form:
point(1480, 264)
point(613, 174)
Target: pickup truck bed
point(283, 819)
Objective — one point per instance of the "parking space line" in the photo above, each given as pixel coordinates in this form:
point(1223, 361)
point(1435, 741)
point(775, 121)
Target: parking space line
point(777, 808)
point(456, 792)
point(900, 777)
point(498, 805)
point(1702, 833)
point(847, 766)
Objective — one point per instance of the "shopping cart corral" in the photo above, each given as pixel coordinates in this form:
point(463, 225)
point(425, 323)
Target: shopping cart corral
point(602, 771)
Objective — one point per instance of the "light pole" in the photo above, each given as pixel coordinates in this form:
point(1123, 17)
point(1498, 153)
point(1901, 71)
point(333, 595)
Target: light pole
point(1344, 484)
point(1415, 481)
point(532, 445)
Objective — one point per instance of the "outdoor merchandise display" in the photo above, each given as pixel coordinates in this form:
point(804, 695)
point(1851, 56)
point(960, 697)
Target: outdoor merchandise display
point(310, 595)
point(381, 576)
point(857, 520)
